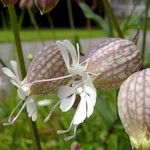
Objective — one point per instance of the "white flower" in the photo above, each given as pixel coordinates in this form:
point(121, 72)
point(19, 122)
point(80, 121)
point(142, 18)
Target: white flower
point(81, 85)
point(23, 92)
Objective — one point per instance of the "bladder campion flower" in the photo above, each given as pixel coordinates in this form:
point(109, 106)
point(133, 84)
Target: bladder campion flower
point(44, 76)
point(114, 59)
point(51, 70)
point(81, 84)
point(134, 108)
point(123, 53)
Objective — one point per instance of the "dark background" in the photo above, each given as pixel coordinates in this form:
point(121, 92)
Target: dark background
point(59, 15)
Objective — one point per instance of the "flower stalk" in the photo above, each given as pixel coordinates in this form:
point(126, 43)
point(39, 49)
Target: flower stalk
point(145, 30)
point(113, 18)
point(71, 20)
point(13, 19)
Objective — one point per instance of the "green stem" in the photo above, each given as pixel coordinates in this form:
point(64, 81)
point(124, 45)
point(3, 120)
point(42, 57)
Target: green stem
point(21, 17)
point(35, 24)
point(131, 14)
point(2, 63)
point(145, 30)
point(50, 20)
point(13, 20)
point(71, 17)
point(113, 18)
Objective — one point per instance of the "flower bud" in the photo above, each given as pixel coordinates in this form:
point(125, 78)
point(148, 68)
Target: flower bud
point(134, 108)
point(75, 146)
point(26, 3)
point(47, 64)
point(9, 2)
point(46, 5)
point(113, 59)
point(46, 73)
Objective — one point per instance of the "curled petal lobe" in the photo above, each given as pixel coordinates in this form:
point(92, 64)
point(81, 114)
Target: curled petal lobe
point(92, 94)
point(67, 103)
point(90, 106)
point(11, 74)
point(31, 108)
point(80, 113)
point(14, 66)
point(72, 51)
point(64, 53)
point(64, 91)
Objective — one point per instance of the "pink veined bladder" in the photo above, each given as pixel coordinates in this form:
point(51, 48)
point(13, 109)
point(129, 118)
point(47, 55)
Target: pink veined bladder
point(113, 60)
point(134, 108)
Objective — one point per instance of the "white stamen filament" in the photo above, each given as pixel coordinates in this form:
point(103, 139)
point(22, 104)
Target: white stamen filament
point(10, 122)
point(78, 54)
point(72, 136)
point(50, 113)
point(65, 131)
point(53, 79)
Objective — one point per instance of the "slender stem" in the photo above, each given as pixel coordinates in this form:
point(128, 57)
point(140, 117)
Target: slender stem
point(131, 13)
point(13, 19)
point(110, 34)
point(2, 63)
point(110, 131)
point(113, 18)
point(71, 16)
point(145, 30)
point(50, 20)
point(21, 17)
point(35, 24)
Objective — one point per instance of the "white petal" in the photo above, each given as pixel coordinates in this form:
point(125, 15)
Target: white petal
point(67, 103)
point(88, 82)
point(92, 93)
point(72, 51)
point(23, 92)
point(31, 109)
point(64, 91)
point(15, 83)
point(14, 66)
point(64, 53)
point(90, 106)
point(78, 53)
point(11, 75)
point(80, 113)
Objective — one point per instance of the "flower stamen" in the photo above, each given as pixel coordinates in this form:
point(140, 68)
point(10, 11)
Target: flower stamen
point(65, 131)
point(11, 122)
point(51, 111)
point(72, 136)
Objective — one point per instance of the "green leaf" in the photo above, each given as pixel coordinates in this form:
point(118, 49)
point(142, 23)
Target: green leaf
point(103, 106)
point(113, 142)
point(89, 14)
